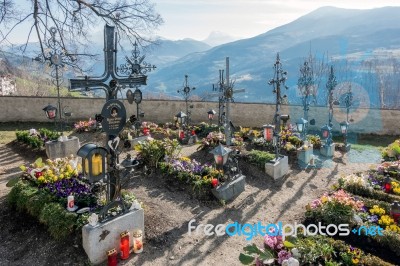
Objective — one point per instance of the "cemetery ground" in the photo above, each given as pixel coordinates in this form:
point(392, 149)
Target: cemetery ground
point(169, 207)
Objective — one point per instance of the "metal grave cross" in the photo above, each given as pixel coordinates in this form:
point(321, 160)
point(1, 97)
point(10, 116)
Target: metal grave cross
point(225, 98)
point(109, 80)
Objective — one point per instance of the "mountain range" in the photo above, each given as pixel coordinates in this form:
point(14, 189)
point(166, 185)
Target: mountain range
point(359, 44)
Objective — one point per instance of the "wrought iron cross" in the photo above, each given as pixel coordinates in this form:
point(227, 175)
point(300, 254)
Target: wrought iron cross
point(330, 85)
point(306, 85)
point(110, 81)
point(226, 93)
point(278, 80)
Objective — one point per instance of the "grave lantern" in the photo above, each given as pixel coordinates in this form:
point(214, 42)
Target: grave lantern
point(93, 161)
point(268, 131)
point(395, 211)
point(387, 185)
point(51, 111)
point(301, 124)
point(325, 131)
point(211, 114)
point(344, 126)
point(221, 155)
point(181, 116)
point(285, 118)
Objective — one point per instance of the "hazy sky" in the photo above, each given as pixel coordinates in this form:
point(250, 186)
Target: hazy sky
point(241, 18)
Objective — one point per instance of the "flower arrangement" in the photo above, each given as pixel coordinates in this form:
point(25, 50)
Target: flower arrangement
point(36, 138)
point(52, 170)
point(213, 139)
point(192, 172)
point(83, 126)
point(392, 151)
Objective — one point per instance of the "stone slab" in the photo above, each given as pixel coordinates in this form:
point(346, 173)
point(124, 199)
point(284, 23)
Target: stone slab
point(60, 149)
point(328, 150)
point(97, 240)
point(231, 190)
point(277, 169)
point(304, 156)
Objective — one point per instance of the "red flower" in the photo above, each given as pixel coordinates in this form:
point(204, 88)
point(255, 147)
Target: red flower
point(38, 174)
point(214, 182)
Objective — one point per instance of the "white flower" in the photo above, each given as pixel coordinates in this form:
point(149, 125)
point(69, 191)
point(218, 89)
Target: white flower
point(290, 262)
point(295, 252)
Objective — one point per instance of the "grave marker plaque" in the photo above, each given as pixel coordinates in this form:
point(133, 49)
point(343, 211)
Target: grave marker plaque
point(114, 117)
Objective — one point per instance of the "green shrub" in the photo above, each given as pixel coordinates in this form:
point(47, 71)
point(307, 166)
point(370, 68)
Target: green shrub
point(59, 221)
point(295, 141)
point(315, 140)
point(36, 203)
point(259, 158)
point(38, 140)
point(154, 151)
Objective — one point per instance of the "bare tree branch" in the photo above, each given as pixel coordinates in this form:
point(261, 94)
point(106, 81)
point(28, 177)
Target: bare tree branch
point(134, 20)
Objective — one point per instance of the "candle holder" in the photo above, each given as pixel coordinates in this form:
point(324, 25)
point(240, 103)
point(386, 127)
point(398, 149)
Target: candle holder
point(112, 257)
point(137, 241)
point(124, 245)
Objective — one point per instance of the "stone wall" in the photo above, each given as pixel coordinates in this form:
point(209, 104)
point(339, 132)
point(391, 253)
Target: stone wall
point(17, 108)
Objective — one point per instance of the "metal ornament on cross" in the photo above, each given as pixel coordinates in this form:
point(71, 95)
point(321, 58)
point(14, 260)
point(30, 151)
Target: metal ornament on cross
point(110, 75)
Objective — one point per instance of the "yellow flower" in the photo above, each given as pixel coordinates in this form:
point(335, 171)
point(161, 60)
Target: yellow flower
point(355, 260)
point(324, 199)
point(41, 179)
point(55, 178)
point(377, 210)
point(186, 159)
point(385, 220)
point(61, 176)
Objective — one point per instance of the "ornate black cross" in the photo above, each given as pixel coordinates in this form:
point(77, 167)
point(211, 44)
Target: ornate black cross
point(110, 81)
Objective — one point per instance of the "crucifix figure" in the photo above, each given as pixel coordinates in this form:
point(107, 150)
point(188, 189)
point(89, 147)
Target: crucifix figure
point(110, 81)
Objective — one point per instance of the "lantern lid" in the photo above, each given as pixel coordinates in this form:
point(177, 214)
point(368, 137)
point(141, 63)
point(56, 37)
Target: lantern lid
point(125, 233)
point(344, 123)
point(301, 121)
point(89, 148)
point(137, 233)
point(326, 127)
point(220, 150)
point(268, 126)
point(181, 114)
point(211, 112)
point(111, 251)
point(49, 107)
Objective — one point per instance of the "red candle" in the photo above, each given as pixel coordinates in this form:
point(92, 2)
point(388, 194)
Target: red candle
point(388, 187)
point(124, 245)
point(220, 160)
point(112, 257)
point(181, 135)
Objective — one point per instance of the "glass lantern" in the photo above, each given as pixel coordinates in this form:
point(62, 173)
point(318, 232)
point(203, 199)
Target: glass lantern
point(51, 111)
point(344, 126)
point(211, 114)
point(325, 131)
point(395, 211)
point(221, 155)
point(93, 161)
point(268, 131)
point(181, 116)
point(301, 124)
point(387, 185)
